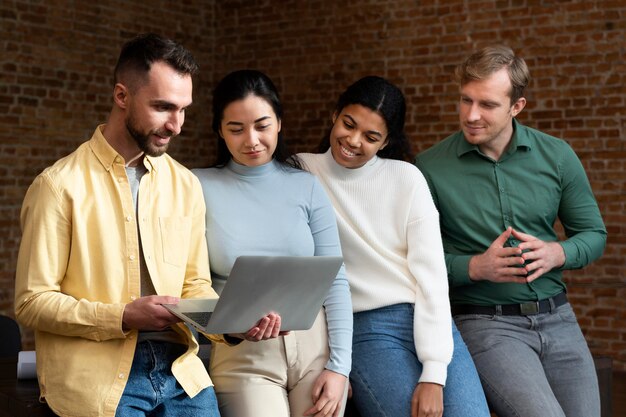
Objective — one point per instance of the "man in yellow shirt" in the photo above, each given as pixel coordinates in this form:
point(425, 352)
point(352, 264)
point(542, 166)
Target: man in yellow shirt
point(111, 232)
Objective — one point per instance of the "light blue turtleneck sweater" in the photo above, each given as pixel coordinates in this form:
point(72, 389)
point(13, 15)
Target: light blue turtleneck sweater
point(276, 210)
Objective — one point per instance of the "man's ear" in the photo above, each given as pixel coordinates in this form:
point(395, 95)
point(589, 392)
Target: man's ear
point(335, 115)
point(518, 106)
point(120, 95)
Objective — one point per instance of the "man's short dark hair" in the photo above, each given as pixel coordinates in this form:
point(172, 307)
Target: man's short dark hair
point(138, 55)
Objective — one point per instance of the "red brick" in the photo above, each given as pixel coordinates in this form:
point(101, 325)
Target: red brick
point(55, 86)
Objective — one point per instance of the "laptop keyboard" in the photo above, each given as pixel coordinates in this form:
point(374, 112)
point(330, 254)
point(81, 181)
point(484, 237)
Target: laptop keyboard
point(202, 318)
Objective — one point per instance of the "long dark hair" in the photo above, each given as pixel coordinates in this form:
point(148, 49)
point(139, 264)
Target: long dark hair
point(381, 96)
point(236, 86)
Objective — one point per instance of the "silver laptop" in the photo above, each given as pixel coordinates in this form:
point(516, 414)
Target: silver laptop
point(293, 286)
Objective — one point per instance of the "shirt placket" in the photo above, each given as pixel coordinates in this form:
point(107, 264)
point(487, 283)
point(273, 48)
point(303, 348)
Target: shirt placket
point(506, 210)
point(504, 192)
point(146, 220)
point(130, 230)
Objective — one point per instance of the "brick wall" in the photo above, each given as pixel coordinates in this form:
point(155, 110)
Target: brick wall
point(576, 52)
point(55, 86)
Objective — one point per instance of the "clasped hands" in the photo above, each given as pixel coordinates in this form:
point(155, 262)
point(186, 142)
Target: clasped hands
point(522, 264)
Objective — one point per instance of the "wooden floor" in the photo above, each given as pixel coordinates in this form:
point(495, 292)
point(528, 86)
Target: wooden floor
point(619, 394)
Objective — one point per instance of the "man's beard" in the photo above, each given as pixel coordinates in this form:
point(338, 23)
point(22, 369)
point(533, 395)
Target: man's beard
point(143, 140)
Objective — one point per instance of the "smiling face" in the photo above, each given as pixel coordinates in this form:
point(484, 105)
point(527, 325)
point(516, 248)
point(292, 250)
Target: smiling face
point(486, 113)
point(250, 129)
point(358, 133)
point(156, 109)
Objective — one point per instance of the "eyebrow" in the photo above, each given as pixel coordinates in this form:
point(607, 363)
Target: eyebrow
point(371, 132)
point(159, 102)
point(489, 102)
point(260, 119)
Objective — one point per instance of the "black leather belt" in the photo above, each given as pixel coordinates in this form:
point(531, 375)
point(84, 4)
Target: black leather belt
point(525, 309)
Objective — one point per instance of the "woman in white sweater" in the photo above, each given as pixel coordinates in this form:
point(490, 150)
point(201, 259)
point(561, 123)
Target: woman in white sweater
point(408, 358)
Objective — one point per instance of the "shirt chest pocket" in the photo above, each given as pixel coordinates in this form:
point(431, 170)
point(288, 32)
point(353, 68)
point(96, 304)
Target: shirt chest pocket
point(175, 236)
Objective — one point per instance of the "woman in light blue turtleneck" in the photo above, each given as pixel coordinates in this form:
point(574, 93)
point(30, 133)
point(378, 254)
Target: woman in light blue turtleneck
point(259, 202)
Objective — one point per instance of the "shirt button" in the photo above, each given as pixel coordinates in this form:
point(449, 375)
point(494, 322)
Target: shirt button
point(128, 218)
point(120, 179)
point(133, 297)
point(131, 257)
point(121, 376)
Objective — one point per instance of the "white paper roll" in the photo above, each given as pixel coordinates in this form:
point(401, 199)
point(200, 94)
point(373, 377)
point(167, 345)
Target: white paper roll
point(27, 365)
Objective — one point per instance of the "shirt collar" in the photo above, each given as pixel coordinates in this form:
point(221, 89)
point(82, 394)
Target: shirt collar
point(109, 156)
point(519, 140)
point(253, 171)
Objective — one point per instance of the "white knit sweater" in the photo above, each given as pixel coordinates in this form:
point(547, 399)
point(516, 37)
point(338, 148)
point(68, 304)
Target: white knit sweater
point(391, 243)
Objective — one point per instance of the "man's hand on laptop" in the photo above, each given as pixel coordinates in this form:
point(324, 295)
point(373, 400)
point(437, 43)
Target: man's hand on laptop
point(266, 328)
point(147, 313)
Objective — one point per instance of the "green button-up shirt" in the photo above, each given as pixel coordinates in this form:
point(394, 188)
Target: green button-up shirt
point(538, 179)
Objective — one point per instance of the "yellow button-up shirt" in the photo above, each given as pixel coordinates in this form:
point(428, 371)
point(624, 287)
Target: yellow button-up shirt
point(78, 266)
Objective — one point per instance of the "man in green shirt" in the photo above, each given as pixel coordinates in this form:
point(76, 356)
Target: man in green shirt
point(499, 187)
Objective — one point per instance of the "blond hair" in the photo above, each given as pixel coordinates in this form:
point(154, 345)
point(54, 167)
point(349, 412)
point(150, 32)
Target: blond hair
point(483, 63)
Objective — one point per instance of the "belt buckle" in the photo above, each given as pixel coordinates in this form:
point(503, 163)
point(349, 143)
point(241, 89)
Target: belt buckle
point(530, 308)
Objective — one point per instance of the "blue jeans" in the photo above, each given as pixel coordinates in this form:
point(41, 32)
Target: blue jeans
point(385, 368)
point(152, 390)
point(533, 366)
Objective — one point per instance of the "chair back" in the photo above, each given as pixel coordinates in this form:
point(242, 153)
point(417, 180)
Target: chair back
point(11, 338)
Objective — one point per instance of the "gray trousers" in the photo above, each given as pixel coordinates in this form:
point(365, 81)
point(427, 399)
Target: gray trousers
point(533, 366)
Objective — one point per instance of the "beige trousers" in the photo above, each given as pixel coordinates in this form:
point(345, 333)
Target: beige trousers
point(272, 378)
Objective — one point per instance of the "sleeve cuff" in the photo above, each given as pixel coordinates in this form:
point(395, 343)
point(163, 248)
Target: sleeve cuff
point(435, 372)
point(570, 250)
point(459, 270)
point(110, 321)
point(337, 369)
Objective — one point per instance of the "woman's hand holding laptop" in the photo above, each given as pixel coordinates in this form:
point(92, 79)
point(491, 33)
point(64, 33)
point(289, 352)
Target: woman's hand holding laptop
point(267, 328)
